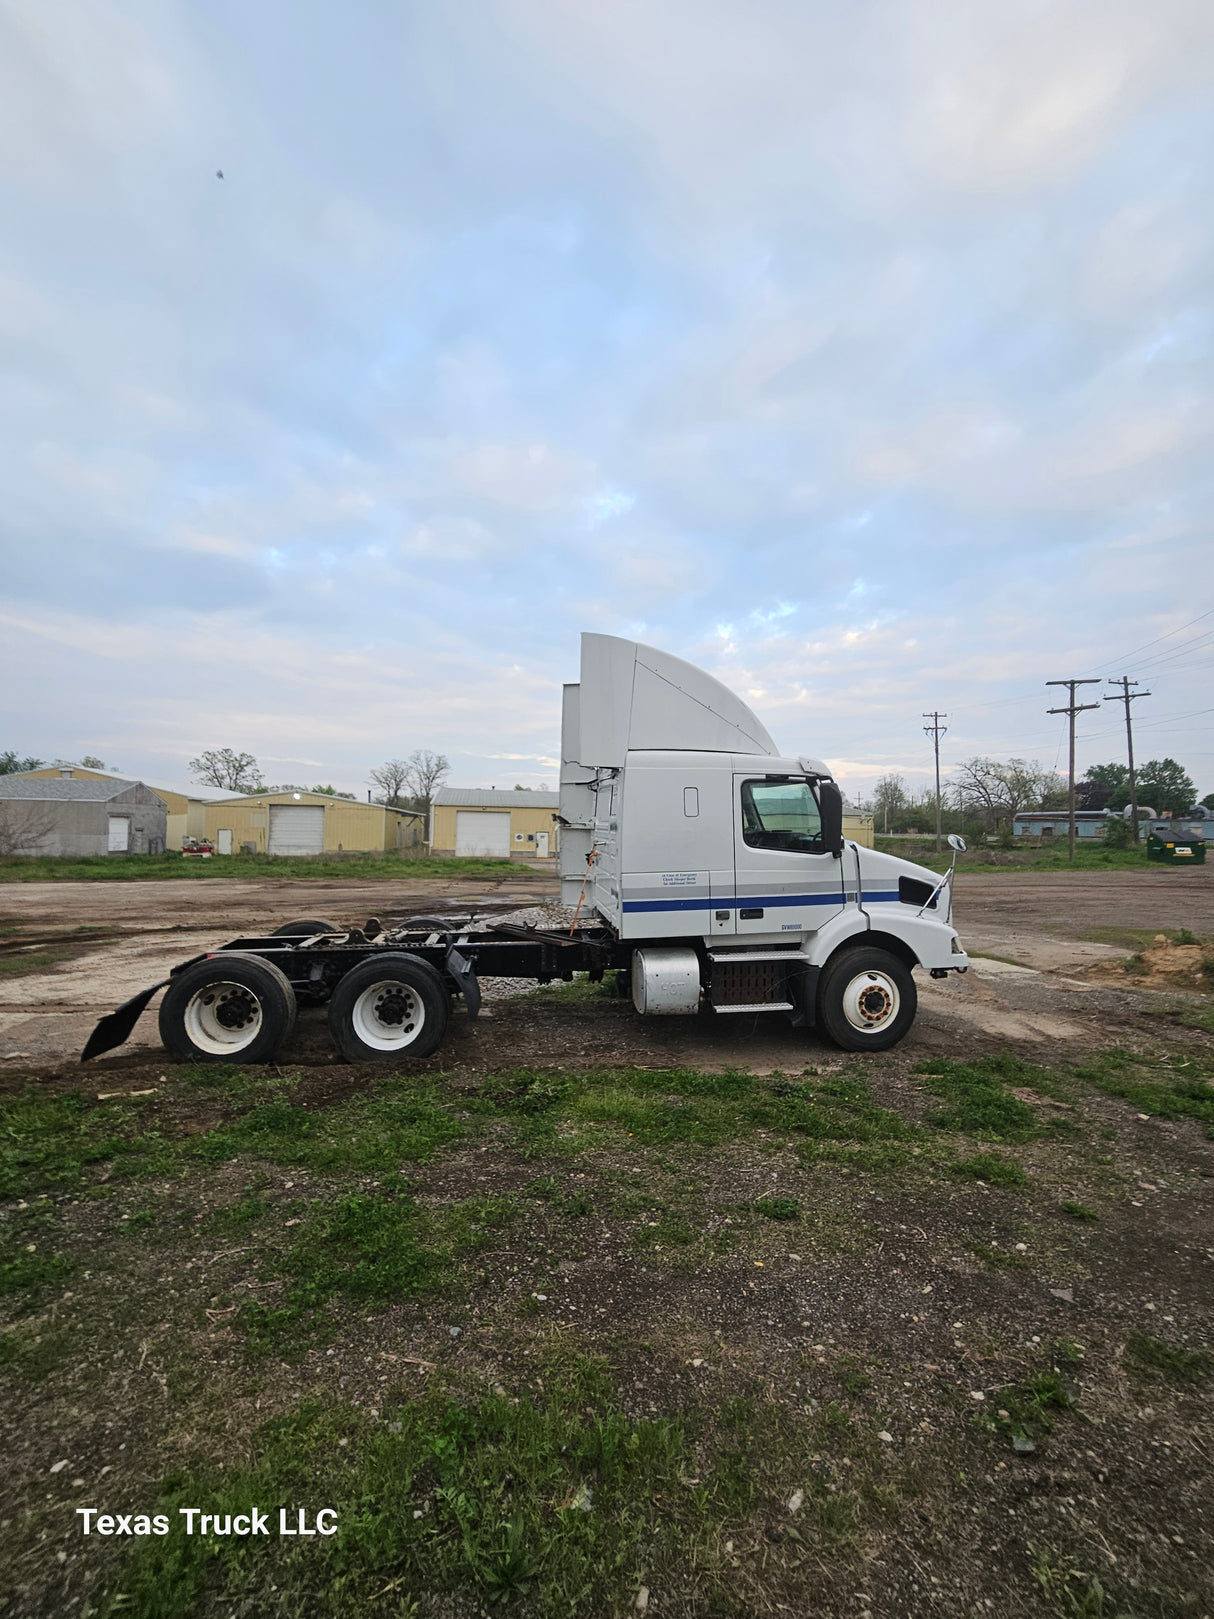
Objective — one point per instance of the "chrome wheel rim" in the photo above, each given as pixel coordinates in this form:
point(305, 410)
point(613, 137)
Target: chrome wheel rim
point(388, 1016)
point(871, 1002)
point(223, 1019)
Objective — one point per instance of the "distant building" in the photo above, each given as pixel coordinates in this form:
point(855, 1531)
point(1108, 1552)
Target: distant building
point(1057, 823)
point(80, 818)
point(299, 823)
point(186, 814)
point(495, 821)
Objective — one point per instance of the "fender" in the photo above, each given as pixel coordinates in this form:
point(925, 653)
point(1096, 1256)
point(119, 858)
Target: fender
point(849, 923)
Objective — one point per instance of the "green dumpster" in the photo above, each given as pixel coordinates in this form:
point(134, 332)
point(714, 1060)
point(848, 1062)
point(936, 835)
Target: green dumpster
point(1174, 851)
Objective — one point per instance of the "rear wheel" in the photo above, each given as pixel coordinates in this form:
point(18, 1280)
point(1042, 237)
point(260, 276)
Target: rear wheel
point(228, 1008)
point(303, 930)
point(389, 1006)
point(866, 999)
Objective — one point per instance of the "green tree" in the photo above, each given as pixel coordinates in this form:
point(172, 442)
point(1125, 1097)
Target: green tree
point(1165, 785)
point(1104, 787)
point(11, 765)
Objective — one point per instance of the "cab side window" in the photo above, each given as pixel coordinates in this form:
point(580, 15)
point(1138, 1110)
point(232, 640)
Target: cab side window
point(781, 815)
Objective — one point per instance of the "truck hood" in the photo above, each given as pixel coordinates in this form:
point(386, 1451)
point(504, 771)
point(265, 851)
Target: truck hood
point(883, 870)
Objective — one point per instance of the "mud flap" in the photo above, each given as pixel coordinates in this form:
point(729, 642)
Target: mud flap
point(462, 970)
point(803, 993)
point(116, 1028)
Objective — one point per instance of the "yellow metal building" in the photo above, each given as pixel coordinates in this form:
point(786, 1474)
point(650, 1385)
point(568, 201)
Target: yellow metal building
point(187, 815)
point(858, 826)
point(299, 823)
point(494, 821)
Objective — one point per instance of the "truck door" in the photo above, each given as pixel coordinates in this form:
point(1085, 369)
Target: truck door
point(785, 882)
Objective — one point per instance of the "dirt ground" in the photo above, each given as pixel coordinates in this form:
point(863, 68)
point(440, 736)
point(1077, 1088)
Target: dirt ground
point(881, 1346)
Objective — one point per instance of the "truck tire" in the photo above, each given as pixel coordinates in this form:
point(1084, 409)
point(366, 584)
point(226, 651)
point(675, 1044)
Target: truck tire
point(303, 930)
point(389, 1006)
point(866, 999)
point(231, 1007)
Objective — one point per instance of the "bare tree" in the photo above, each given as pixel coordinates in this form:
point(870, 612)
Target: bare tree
point(425, 774)
point(232, 772)
point(392, 780)
point(1000, 791)
point(92, 762)
point(889, 798)
point(24, 826)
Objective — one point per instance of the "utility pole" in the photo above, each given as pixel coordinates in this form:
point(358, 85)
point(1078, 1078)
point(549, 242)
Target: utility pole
point(1126, 696)
point(935, 730)
point(1075, 708)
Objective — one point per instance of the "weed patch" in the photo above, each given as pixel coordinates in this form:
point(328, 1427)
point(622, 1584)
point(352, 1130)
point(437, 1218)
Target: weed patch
point(991, 1167)
point(1026, 1411)
point(976, 1097)
point(1154, 1087)
point(1170, 1361)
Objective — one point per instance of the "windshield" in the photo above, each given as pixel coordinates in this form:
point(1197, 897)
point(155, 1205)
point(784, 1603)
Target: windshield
point(781, 815)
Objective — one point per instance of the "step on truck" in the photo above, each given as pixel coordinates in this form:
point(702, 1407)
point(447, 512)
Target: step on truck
point(707, 871)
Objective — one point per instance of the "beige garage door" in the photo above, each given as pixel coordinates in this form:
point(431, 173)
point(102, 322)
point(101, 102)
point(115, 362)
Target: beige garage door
point(482, 832)
point(297, 828)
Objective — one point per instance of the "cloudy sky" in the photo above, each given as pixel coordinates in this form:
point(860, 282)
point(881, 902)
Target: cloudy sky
point(861, 354)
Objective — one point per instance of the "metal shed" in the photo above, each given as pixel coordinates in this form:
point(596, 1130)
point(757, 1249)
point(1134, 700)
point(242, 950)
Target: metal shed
point(294, 822)
point(494, 821)
point(64, 816)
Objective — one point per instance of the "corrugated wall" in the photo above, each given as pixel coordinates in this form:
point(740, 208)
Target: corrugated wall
point(526, 819)
point(349, 825)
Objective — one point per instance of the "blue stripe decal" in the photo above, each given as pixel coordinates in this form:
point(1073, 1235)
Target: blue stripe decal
point(757, 901)
point(749, 901)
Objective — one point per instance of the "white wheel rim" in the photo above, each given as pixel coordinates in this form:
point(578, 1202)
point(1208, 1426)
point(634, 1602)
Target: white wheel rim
point(870, 1002)
point(223, 1019)
point(388, 1016)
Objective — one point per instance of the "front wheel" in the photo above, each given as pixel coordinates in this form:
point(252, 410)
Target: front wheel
point(228, 1008)
point(388, 1006)
point(866, 1000)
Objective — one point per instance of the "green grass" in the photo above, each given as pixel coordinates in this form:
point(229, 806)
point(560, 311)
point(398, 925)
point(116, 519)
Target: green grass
point(1048, 857)
point(1172, 1362)
point(777, 1208)
point(36, 961)
point(151, 868)
point(549, 1501)
point(65, 1142)
point(977, 1100)
point(562, 1112)
point(1077, 1211)
point(1163, 1089)
point(991, 1167)
point(1031, 1406)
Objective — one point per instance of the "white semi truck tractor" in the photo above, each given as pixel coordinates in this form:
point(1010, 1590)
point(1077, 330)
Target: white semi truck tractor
point(707, 870)
point(720, 864)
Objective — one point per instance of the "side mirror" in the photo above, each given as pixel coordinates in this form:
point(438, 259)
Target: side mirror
point(957, 843)
point(830, 801)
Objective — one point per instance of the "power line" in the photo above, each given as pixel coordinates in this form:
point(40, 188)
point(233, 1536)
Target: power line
point(1126, 656)
point(1075, 708)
